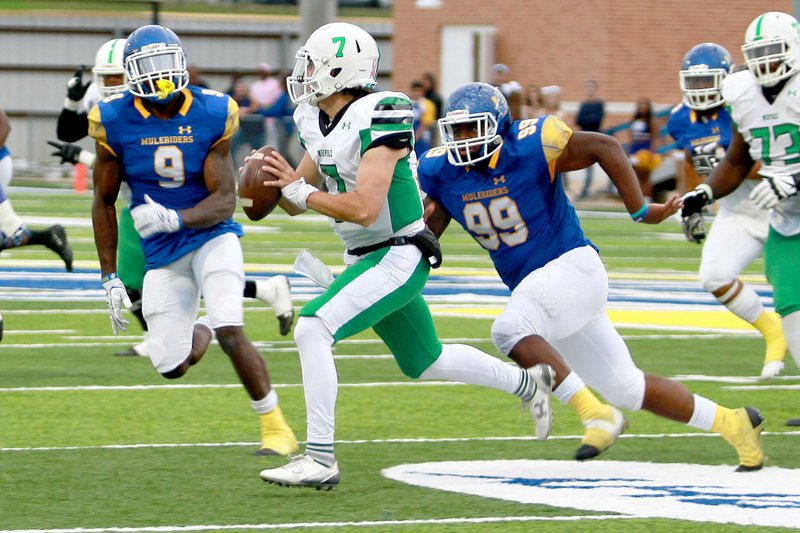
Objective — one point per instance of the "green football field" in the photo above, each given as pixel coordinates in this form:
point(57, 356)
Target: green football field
point(90, 442)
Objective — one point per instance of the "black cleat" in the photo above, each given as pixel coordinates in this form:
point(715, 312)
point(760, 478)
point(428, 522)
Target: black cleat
point(794, 422)
point(285, 323)
point(586, 452)
point(59, 244)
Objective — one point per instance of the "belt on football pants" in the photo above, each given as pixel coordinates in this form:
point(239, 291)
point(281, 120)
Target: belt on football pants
point(392, 241)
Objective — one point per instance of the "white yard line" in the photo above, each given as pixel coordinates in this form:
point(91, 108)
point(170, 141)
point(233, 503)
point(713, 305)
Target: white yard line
point(315, 525)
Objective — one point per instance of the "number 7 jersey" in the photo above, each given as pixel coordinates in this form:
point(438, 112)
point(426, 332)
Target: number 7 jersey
point(514, 206)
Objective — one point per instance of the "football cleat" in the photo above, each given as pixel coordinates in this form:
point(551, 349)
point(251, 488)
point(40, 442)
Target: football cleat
point(277, 292)
point(601, 432)
point(771, 369)
point(539, 404)
point(794, 422)
point(303, 471)
point(138, 350)
point(277, 438)
point(1, 328)
point(746, 438)
point(58, 243)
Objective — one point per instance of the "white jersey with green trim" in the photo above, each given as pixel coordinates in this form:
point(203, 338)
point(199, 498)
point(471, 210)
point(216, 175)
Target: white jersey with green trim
point(337, 148)
point(772, 132)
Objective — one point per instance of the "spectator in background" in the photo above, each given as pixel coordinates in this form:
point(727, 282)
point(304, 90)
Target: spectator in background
point(424, 118)
point(533, 106)
point(590, 118)
point(251, 126)
point(281, 111)
point(551, 100)
point(267, 89)
point(511, 89)
point(429, 86)
point(643, 144)
point(195, 77)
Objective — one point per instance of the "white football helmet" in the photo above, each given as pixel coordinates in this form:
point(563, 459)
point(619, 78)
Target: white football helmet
point(771, 47)
point(336, 56)
point(108, 62)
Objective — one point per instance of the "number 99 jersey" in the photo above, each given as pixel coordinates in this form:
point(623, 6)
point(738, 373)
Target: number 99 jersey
point(164, 158)
point(515, 206)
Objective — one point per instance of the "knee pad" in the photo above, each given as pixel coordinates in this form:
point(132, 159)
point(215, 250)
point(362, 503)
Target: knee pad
point(628, 393)
point(713, 278)
point(506, 333)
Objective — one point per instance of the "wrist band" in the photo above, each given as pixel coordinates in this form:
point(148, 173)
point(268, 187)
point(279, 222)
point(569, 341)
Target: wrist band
point(641, 214)
point(109, 277)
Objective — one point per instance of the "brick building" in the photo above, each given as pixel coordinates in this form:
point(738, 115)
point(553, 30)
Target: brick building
point(632, 48)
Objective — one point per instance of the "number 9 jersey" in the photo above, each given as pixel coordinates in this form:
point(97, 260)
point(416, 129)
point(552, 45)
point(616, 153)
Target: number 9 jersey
point(164, 158)
point(514, 206)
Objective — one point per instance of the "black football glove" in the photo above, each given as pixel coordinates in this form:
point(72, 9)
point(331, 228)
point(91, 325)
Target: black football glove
point(695, 200)
point(706, 157)
point(76, 89)
point(67, 152)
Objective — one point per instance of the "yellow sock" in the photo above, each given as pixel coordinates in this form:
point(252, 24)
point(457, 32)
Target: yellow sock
point(586, 404)
point(770, 327)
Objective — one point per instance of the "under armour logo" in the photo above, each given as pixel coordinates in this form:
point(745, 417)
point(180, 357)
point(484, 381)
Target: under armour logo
point(346, 125)
point(538, 409)
point(500, 179)
point(185, 130)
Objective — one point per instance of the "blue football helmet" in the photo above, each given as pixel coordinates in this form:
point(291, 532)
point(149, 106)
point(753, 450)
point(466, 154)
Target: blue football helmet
point(704, 68)
point(475, 119)
point(155, 63)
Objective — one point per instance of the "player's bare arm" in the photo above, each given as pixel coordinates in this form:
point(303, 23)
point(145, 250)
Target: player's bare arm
point(733, 169)
point(586, 148)
point(436, 217)
point(106, 176)
point(221, 183)
point(361, 206)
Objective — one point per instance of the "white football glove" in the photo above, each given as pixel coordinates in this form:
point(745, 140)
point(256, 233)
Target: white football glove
point(706, 157)
point(152, 217)
point(774, 187)
point(297, 193)
point(117, 298)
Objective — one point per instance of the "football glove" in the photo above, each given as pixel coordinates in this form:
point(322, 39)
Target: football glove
point(774, 187)
point(693, 228)
point(695, 200)
point(117, 298)
point(705, 158)
point(151, 217)
point(76, 90)
point(72, 153)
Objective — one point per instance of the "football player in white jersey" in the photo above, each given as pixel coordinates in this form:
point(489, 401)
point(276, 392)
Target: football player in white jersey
point(702, 128)
point(765, 107)
point(359, 169)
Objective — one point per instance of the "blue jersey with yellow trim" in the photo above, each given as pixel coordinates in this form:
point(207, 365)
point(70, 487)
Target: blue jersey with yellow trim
point(690, 130)
point(164, 159)
point(515, 206)
point(4, 152)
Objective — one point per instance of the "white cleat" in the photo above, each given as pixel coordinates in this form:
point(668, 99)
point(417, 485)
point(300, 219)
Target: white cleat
point(771, 369)
point(277, 292)
point(303, 471)
point(539, 405)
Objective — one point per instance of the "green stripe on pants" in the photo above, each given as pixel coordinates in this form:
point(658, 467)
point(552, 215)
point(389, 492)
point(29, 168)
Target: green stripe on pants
point(780, 261)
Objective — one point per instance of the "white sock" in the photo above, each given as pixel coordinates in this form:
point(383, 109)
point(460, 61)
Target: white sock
point(320, 382)
point(266, 404)
point(467, 364)
point(704, 412)
point(9, 221)
point(746, 305)
point(571, 384)
point(791, 331)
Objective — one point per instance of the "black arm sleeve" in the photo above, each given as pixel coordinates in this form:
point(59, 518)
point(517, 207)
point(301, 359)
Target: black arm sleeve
point(72, 126)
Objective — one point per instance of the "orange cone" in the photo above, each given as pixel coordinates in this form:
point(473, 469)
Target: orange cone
point(80, 178)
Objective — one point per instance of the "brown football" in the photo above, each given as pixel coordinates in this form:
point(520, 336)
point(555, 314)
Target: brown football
point(257, 199)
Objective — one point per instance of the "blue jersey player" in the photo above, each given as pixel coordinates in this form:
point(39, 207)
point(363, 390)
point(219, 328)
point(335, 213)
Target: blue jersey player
point(500, 181)
point(702, 128)
point(171, 141)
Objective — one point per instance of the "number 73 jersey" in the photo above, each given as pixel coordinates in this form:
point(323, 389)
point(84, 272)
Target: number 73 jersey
point(514, 206)
point(772, 134)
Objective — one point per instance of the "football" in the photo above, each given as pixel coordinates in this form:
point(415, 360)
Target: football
point(257, 199)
